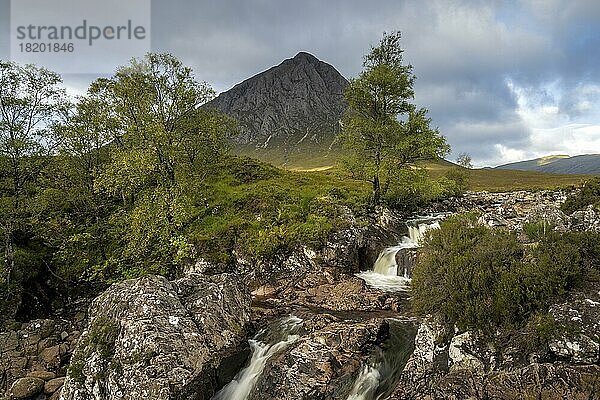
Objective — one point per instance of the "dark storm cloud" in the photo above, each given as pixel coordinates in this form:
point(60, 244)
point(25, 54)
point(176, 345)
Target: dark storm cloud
point(489, 72)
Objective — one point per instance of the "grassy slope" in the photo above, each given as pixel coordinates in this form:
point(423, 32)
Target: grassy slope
point(261, 210)
point(493, 180)
point(497, 180)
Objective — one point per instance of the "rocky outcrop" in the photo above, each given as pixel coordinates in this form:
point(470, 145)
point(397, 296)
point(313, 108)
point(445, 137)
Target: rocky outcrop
point(323, 363)
point(293, 106)
point(154, 339)
point(331, 290)
point(460, 365)
point(579, 316)
point(585, 220)
point(348, 250)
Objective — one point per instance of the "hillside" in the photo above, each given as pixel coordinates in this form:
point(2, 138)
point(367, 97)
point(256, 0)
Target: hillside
point(500, 180)
point(288, 111)
point(560, 164)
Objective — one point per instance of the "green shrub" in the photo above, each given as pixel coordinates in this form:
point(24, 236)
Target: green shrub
point(482, 278)
point(588, 195)
point(413, 189)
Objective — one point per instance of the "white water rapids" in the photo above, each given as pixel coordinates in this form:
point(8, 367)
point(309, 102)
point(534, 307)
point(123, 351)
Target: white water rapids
point(385, 275)
point(282, 335)
point(366, 384)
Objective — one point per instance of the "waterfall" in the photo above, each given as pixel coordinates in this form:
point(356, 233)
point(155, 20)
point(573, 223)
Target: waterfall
point(366, 384)
point(416, 232)
point(379, 375)
point(386, 263)
point(264, 345)
point(385, 274)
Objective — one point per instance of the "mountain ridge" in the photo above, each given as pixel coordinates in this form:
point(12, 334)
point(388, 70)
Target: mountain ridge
point(290, 109)
point(584, 164)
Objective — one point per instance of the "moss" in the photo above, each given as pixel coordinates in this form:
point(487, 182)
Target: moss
point(76, 371)
point(102, 337)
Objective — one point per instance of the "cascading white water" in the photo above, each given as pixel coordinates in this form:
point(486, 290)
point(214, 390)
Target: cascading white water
point(243, 383)
point(366, 384)
point(386, 262)
point(416, 232)
point(384, 275)
point(381, 372)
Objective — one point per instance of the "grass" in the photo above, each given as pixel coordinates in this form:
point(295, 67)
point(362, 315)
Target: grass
point(260, 210)
point(502, 180)
point(488, 179)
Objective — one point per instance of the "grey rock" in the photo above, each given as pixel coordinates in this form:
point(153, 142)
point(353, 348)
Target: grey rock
point(580, 314)
point(154, 339)
point(585, 220)
point(323, 363)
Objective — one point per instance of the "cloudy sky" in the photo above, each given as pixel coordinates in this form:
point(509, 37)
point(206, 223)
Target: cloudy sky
point(503, 80)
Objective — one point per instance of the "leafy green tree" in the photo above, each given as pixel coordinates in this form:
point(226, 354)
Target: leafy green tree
point(31, 104)
point(163, 141)
point(70, 215)
point(156, 102)
point(383, 131)
point(464, 160)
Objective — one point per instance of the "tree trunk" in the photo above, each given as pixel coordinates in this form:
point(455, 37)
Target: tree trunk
point(376, 190)
point(9, 254)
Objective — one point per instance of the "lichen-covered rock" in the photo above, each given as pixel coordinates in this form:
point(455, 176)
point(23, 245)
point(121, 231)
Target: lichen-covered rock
point(154, 339)
point(446, 365)
point(580, 314)
point(548, 381)
point(428, 360)
point(549, 214)
point(585, 220)
point(323, 363)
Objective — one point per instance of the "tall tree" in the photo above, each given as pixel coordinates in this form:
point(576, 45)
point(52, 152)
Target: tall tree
point(383, 131)
point(464, 160)
point(31, 103)
point(154, 100)
point(162, 138)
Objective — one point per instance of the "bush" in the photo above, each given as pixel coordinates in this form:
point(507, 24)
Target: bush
point(412, 189)
point(588, 195)
point(482, 278)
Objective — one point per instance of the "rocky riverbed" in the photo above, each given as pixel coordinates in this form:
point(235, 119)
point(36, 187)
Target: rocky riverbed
point(158, 339)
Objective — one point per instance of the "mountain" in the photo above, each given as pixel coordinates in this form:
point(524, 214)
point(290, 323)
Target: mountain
point(287, 112)
point(586, 164)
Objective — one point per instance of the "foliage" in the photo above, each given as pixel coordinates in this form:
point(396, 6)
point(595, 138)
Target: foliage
point(482, 278)
point(464, 160)
point(382, 130)
point(588, 195)
point(262, 212)
point(31, 104)
point(413, 188)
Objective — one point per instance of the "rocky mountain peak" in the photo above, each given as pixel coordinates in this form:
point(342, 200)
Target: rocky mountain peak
point(303, 56)
point(290, 108)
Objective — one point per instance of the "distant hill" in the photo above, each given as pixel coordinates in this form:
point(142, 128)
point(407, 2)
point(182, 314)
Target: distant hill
point(588, 164)
point(288, 112)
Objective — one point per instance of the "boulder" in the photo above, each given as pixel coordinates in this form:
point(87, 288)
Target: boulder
point(580, 314)
point(154, 339)
point(585, 220)
point(36, 349)
point(53, 385)
point(24, 388)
